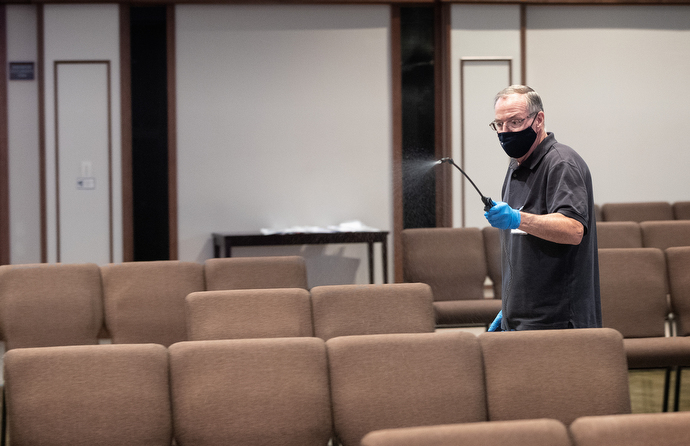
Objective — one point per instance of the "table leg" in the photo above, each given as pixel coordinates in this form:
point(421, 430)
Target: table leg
point(384, 259)
point(370, 248)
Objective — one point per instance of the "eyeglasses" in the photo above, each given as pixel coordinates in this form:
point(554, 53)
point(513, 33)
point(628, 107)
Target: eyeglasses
point(510, 126)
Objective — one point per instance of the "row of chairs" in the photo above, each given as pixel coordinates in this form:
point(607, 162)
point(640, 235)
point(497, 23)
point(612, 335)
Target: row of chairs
point(325, 312)
point(643, 211)
point(660, 234)
point(456, 262)
point(133, 302)
point(305, 391)
point(613, 430)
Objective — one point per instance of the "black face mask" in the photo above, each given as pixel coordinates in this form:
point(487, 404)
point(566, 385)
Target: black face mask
point(517, 144)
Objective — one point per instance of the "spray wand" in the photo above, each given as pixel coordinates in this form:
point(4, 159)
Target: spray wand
point(488, 202)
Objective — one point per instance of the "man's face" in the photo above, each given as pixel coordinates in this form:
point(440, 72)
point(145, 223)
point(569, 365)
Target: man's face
point(511, 114)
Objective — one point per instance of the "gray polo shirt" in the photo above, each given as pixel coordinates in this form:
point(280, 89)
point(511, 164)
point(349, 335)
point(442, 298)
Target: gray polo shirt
point(549, 285)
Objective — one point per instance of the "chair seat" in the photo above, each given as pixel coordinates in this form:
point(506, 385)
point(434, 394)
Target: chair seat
point(470, 312)
point(657, 352)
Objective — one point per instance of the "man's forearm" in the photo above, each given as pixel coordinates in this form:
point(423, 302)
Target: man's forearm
point(555, 227)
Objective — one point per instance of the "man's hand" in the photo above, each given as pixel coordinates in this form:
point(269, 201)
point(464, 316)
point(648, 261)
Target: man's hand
point(502, 216)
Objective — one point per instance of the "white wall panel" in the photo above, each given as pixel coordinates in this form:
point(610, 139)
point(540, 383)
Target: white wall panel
point(614, 84)
point(284, 119)
point(83, 154)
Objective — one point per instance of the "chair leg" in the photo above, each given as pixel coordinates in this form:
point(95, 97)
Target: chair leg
point(667, 388)
point(676, 397)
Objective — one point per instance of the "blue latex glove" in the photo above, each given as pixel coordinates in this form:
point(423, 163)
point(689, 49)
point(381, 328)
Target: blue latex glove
point(502, 216)
point(496, 324)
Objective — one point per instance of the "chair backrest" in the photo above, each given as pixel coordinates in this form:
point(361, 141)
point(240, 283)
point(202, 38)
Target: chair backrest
point(95, 394)
point(237, 273)
point(681, 210)
point(403, 380)
point(619, 234)
point(343, 310)
point(450, 260)
point(664, 234)
point(634, 291)
point(543, 432)
point(559, 374)
point(244, 314)
point(669, 429)
point(145, 301)
point(251, 392)
point(492, 250)
point(637, 211)
point(44, 305)
point(678, 263)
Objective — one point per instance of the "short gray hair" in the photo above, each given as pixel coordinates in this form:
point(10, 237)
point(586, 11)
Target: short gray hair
point(534, 104)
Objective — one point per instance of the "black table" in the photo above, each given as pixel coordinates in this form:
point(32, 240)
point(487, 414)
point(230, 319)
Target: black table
point(224, 242)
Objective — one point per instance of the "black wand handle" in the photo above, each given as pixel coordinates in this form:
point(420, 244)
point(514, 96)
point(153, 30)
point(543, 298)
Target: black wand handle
point(488, 202)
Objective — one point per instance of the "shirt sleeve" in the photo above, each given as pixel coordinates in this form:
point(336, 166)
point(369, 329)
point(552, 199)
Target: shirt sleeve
point(567, 193)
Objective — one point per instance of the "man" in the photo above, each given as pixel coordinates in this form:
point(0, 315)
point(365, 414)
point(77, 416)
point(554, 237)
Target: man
point(548, 238)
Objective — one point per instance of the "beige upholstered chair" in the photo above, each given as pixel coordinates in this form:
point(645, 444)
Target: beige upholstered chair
point(342, 310)
point(681, 210)
point(244, 314)
point(664, 234)
point(236, 273)
point(251, 392)
point(145, 301)
point(637, 211)
point(45, 305)
point(544, 432)
point(452, 261)
point(619, 234)
point(106, 395)
point(559, 374)
point(492, 250)
point(668, 429)
point(403, 380)
point(634, 290)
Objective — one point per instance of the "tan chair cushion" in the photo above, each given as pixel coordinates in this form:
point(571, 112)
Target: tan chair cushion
point(342, 310)
point(50, 304)
point(144, 301)
point(106, 395)
point(619, 234)
point(637, 211)
point(450, 260)
point(238, 314)
point(542, 432)
point(237, 273)
point(251, 392)
point(668, 429)
point(657, 352)
point(467, 312)
point(559, 374)
point(404, 380)
point(665, 234)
